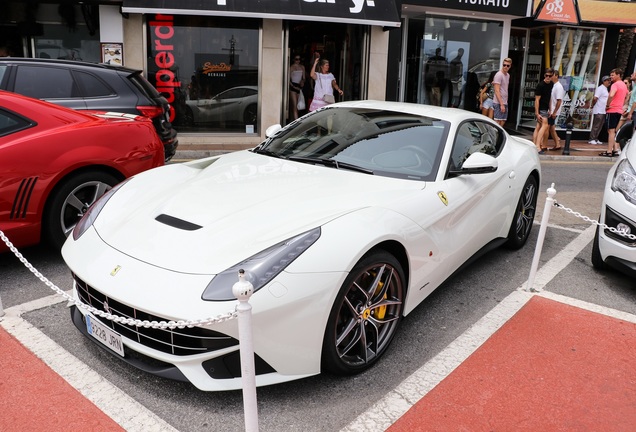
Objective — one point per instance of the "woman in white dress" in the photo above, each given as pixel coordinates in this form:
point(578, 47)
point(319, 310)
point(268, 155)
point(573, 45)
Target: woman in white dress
point(325, 84)
point(296, 83)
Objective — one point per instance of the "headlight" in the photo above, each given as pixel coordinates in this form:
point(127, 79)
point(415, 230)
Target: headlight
point(625, 181)
point(261, 268)
point(93, 211)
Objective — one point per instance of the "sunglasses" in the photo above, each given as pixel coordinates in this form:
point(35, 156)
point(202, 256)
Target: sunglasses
point(548, 75)
point(506, 65)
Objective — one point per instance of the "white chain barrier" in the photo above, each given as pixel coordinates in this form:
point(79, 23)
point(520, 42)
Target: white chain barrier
point(549, 203)
point(118, 319)
point(242, 290)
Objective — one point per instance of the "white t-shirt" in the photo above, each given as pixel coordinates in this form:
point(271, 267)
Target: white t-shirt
point(602, 94)
point(323, 85)
point(557, 93)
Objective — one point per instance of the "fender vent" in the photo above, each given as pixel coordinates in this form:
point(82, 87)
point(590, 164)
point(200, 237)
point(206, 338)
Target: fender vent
point(22, 198)
point(177, 223)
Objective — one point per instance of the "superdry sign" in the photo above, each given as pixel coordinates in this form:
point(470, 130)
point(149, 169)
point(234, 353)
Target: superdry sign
point(371, 12)
point(518, 8)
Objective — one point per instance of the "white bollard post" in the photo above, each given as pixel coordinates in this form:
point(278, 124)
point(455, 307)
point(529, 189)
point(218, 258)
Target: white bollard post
point(243, 290)
point(549, 202)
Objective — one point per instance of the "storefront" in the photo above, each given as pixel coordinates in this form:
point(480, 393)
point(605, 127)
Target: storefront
point(448, 50)
point(579, 39)
point(224, 66)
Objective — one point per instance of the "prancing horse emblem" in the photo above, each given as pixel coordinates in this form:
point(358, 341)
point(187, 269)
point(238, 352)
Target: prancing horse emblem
point(115, 270)
point(443, 197)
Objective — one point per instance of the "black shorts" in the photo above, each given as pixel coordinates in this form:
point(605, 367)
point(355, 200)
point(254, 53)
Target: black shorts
point(551, 121)
point(612, 119)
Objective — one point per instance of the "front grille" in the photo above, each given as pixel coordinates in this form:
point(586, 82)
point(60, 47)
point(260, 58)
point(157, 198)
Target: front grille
point(180, 342)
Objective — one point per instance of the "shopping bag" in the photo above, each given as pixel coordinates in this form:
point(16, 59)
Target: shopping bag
point(301, 101)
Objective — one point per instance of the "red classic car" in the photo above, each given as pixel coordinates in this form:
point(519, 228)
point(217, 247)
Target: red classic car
point(55, 162)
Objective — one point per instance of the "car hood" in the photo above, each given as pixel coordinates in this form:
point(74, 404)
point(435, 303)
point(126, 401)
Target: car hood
point(204, 217)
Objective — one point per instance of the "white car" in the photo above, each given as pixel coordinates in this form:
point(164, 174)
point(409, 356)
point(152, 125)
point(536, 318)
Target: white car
point(616, 247)
point(344, 221)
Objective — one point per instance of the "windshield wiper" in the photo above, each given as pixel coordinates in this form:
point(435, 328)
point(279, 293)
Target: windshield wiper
point(330, 163)
point(266, 152)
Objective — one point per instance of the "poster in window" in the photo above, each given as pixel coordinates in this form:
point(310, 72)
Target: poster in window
point(113, 54)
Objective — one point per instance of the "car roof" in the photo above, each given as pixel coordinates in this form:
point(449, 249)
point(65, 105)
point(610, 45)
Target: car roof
point(453, 115)
point(73, 63)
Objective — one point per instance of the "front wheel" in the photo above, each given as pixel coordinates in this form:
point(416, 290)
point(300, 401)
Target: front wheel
point(524, 215)
point(597, 258)
point(70, 200)
point(365, 315)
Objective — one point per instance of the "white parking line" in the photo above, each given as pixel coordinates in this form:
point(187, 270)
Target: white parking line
point(397, 402)
point(116, 404)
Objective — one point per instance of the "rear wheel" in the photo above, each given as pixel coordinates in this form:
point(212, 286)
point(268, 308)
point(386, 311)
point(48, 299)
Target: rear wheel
point(524, 215)
point(365, 315)
point(70, 200)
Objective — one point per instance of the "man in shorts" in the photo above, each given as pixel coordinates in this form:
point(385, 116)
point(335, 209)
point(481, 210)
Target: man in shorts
point(556, 103)
point(615, 101)
point(542, 95)
point(500, 83)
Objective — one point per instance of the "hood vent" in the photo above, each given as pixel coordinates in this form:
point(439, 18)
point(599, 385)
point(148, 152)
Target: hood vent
point(22, 198)
point(177, 223)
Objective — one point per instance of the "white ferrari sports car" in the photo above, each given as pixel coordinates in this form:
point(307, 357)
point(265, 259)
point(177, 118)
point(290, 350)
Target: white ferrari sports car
point(343, 221)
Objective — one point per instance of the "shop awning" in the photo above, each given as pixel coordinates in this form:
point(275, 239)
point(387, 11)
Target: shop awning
point(369, 12)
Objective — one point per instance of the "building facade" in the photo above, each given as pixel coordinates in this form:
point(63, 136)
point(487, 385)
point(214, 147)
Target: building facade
point(224, 65)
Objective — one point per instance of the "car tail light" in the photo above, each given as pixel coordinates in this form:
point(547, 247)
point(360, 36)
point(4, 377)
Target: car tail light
point(150, 111)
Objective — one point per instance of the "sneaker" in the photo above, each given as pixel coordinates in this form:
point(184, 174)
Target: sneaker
point(598, 142)
point(591, 142)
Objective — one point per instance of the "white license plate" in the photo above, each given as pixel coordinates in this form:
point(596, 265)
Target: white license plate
point(105, 335)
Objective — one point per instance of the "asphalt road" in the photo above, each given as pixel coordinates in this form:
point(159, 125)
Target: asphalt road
point(330, 403)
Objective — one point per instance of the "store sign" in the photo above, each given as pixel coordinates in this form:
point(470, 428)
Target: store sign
point(371, 12)
point(560, 11)
point(500, 7)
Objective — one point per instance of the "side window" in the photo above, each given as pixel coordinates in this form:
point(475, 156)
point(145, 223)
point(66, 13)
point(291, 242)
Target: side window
point(472, 137)
point(10, 123)
point(92, 85)
point(45, 83)
point(3, 72)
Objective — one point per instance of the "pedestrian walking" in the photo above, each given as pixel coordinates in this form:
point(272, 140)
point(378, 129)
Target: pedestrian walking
point(556, 103)
point(598, 109)
point(614, 110)
point(500, 102)
point(542, 95)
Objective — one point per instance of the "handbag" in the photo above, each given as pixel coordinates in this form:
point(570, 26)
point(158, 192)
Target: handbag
point(329, 99)
point(301, 102)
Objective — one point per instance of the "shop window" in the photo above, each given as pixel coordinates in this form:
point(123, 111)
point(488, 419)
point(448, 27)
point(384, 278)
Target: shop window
point(60, 42)
point(576, 54)
point(207, 68)
point(449, 59)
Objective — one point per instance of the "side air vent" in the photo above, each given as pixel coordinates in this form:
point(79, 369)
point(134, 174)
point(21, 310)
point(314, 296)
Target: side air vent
point(177, 223)
point(22, 198)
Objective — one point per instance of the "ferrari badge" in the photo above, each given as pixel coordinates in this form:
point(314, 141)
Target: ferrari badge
point(115, 270)
point(443, 197)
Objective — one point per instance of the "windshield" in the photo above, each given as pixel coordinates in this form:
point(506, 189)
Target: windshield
point(385, 143)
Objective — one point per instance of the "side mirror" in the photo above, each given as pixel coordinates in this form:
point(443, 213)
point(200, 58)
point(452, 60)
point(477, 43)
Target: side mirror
point(477, 163)
point(271, 131)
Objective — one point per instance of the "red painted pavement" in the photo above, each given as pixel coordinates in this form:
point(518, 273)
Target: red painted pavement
point(552, 367)
point(34, 398)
